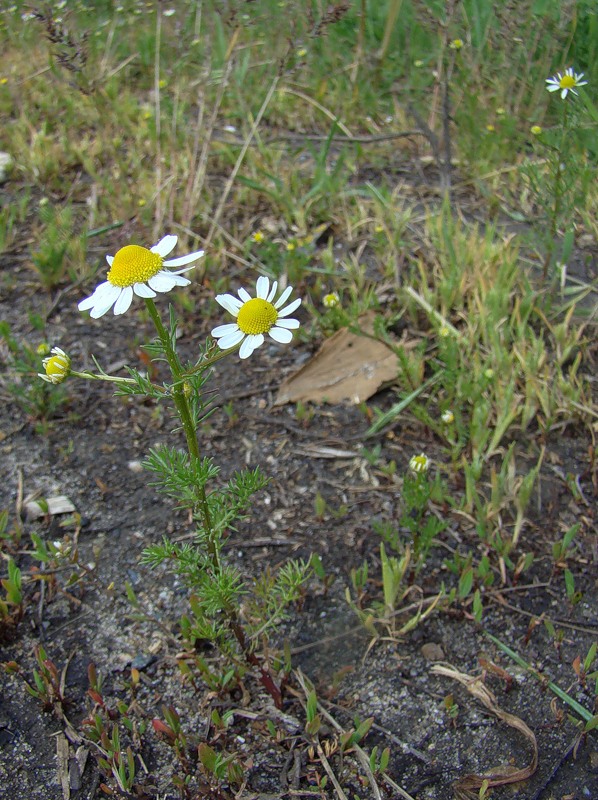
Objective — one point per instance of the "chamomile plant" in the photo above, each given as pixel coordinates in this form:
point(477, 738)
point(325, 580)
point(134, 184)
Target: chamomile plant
point(188, 476)
point(561, 173)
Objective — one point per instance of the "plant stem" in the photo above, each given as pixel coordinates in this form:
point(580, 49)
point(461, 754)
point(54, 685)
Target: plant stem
point(558, 188)
point(184, 412)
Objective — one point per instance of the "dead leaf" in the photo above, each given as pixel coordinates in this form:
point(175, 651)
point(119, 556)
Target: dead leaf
point(60, 504)
point(347, 367)
point(504, 774)
point(62, 758)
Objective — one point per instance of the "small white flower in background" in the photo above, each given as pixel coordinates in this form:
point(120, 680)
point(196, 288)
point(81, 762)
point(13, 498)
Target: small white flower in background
point(62, 549)
point(256, 316)
point(419, 464)
point(57, 366)
point(566, 82)
point(448, 417)
point(137, 270)
point(331, 300)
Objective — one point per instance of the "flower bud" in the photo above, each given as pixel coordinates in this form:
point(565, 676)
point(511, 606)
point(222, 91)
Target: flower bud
point(57, 366)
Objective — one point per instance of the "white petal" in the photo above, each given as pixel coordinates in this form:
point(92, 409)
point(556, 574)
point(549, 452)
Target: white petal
point(244, 295)
point(280, 335)
point(564, 93)
point(88, 302)
point(262, 287)
point(553, 87)
point(179, 280)
point(165, 281)
point(224, 330)
point(250, 344)
point(124, 300)
point(230, 303)
point(178, 262)
point(231, 339)
point(272, 294)
point(105, 303)
point(290, 308)
point(181, 271)
point(143, 290)
point(283, 297)
point(103, 299)
point(162, 282)
point(109, 259)
point(165, 246)
point(288, 323)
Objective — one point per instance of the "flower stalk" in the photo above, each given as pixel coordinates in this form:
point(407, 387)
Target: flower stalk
point(184, 412)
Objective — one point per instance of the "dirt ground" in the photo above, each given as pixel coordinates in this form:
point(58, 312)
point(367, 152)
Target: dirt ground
point(91, 454)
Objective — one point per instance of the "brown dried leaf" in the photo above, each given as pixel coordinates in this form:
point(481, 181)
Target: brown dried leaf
point(504, 774)
point(347, 367)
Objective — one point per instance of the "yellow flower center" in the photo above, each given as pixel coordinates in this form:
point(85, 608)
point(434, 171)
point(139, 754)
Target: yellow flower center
point(419, 463)
point(57, 368)
point(567, 82)
point(133, 264)
point(256, 316)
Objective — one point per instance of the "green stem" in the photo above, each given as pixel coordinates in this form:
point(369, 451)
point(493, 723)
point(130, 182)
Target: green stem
point(184, 412)
point(558, 189)
point(207, 361)
point(577, 707)
point(92, 376)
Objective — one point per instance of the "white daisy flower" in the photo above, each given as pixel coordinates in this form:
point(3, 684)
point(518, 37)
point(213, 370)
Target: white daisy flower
point(255, 317)
point(419, 464)
point(565, 82)
point(137, 270)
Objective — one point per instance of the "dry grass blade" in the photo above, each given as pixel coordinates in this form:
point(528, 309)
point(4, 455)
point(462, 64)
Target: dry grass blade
point(239, 161)
point(329, 771)
point(360, 754)
point(503, 775)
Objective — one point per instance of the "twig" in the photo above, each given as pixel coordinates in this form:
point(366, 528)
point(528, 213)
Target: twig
point(432, 312)
point(331, 116)
point(555, 769)
point(239, 161)
point(562, 623)
point(359, 752)
point(330, 773)
point(396, 787)
point(158, 214)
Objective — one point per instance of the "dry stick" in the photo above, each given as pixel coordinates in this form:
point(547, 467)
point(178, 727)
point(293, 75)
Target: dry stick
point(366, 138)
point(432, 312)
point(200, 159)
point(330, 773)
point(446, 133)
point(233, 175)
point(359, 752)
point(158, 212)
point(360, 46)
point(331, 116)
point(556, 768)
point(391, 18)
